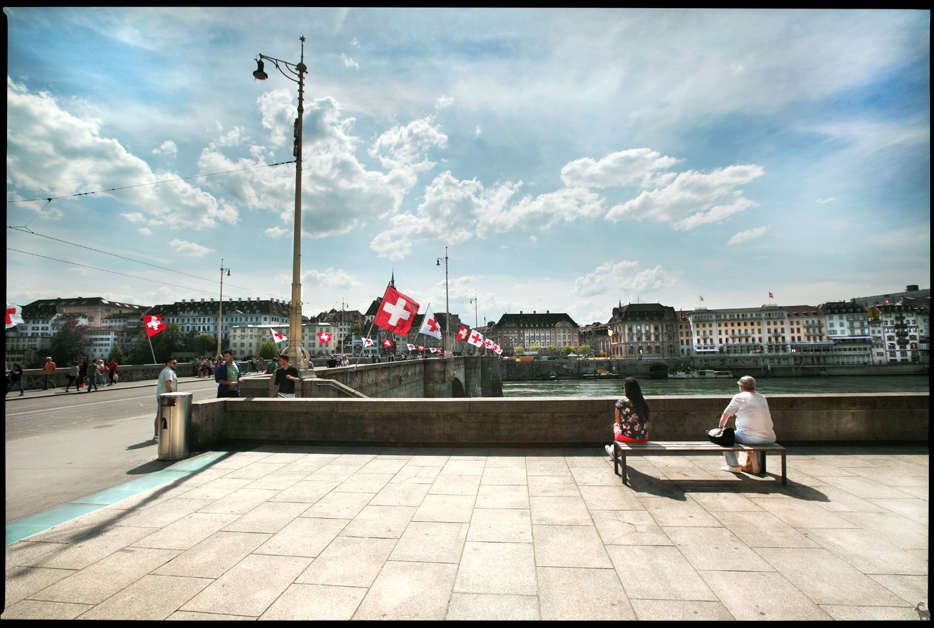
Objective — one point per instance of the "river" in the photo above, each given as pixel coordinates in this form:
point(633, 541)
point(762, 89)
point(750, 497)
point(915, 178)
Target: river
point(766, 385)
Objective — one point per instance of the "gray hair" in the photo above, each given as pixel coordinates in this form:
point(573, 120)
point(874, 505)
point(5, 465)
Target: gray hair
point(748, 382)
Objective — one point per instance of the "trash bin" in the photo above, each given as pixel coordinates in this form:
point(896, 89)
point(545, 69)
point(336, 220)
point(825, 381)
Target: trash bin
point(174, 425)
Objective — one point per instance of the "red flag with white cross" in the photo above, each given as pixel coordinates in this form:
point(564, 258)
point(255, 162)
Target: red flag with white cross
point(324, 337)
point(154, 324)
point(462, 333)
point(14, 315)
point(396, 312)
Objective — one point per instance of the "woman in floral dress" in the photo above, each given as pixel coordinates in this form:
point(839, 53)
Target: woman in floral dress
point(632, 416)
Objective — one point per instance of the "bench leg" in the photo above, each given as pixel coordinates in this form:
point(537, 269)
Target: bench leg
point(624, 467)
point(615, 461)
point(761, 463)
point(783, 469)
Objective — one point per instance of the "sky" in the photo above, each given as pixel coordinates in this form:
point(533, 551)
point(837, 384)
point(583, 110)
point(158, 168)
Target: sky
point(563, 160)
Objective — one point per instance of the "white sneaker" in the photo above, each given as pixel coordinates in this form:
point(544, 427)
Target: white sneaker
point(609, 450)
point(732, 469)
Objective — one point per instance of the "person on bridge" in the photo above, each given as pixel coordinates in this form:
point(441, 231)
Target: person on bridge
point(632, 416)
point(753, 420)
point(167, 383)
point(15, 378)
point(228, 376)
point(286, 376)
point(48, 373)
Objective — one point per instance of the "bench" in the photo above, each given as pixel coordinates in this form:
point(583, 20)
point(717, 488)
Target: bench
point(662, 448)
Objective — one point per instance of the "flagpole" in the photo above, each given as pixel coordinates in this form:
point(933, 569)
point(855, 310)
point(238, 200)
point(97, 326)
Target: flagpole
point(149, 338)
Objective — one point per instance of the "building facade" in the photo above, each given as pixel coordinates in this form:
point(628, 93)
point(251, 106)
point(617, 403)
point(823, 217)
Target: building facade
point(201, 317)
point(644, 331)
point(530, 329)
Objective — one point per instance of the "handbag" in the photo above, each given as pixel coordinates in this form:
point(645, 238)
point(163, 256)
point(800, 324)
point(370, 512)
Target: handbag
point(722, 436)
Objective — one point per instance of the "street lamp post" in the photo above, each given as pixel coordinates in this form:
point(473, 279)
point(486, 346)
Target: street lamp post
point(297, 353)
point(447, 304)
point(220, 309)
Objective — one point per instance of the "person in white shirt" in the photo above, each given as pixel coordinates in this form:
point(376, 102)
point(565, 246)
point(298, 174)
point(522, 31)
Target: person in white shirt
point(167, 382)
point(753, 420)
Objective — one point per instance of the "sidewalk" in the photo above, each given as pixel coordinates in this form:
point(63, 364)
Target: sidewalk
point(14, 395)
point(281, 532)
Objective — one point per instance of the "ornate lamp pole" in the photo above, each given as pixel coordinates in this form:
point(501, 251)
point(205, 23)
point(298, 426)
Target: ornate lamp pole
point(447, 304)
point(297, 353)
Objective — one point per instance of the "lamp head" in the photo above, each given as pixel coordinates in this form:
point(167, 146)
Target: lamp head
point(259, 74)
point(439, 262)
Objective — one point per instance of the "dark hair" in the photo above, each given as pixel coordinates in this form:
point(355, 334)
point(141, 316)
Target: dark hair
point(169, 359)
point(634, 394)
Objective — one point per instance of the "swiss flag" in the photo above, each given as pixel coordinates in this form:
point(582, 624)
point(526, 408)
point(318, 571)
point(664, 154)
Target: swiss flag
point(771, 296)
point(463, 333)
point(388, 343)
point(411, 347)
point(324, 337)
point(421, 348)
point(154, 324)
point(430, 326)
point(14, 315)
point(367, 342)
point(396, 312)
point(276, 336)
point(475, 339)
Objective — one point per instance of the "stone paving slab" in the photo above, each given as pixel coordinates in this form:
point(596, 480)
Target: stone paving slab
point(303, 532)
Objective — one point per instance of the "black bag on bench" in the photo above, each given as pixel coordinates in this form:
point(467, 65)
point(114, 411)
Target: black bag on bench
point(722, 436)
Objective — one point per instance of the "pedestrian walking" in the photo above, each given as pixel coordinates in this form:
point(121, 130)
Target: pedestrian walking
point(228, 376)
point(91, 374)
point(72, 376)
point(112, 371)
point(286, 376)
point(15, 378)
point(48, 373)
point(82, 371)
point(167, 382)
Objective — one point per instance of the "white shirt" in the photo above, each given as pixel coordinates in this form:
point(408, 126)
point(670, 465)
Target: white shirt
point(752, 414)
point(167, 375)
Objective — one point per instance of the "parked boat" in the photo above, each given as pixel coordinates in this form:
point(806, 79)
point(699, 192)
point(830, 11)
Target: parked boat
point(701, 374)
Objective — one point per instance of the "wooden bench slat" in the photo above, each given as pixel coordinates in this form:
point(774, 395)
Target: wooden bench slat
point(681, 447)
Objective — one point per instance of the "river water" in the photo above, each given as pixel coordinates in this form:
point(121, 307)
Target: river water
point(765, 385)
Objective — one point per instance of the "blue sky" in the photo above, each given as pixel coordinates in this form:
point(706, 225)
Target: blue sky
point(568, 159)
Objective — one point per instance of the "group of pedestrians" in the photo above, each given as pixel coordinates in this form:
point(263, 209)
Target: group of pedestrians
point(93, 373)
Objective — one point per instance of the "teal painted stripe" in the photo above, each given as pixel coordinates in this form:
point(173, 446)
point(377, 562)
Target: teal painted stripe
point(39, 522)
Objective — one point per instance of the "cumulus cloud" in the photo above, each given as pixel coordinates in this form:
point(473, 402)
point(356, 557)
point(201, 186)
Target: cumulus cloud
point(189, 249)
point(167, 147)
point(405, 145)
point(623, 277)
point(444, 101)
point(329, 278)
point(144, 231)
point(617, 169)
point(52, 152)
point(349, 62)
point(692, 198)
point(749, 234)
point(276, 232)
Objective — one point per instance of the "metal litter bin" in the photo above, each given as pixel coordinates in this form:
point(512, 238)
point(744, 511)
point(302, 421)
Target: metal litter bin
point(174, 425)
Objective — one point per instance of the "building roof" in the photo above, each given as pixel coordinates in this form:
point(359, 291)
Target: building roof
point(191, 307)
point(534, 319)
point(643, 311)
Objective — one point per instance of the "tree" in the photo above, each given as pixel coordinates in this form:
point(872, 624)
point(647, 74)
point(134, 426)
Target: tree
point(568, 349)
point(204, 344)
point(534, 348)
point(69, 343)
point(585, 350)
point(164, 344)
point(552, 350)
point(116, 353)
point(518, 349)
point(268, 350)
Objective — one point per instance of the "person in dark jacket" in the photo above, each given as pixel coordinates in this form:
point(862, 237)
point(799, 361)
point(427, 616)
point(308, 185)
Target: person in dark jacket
point(228, 376)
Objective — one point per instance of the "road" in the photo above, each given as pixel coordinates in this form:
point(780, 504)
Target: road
point(60, 447)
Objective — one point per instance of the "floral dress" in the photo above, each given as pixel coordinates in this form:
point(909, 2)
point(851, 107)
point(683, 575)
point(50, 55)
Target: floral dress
point(631, 425)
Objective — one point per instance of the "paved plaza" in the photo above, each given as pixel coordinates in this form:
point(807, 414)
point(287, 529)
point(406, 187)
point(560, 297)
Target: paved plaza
point(302, 532)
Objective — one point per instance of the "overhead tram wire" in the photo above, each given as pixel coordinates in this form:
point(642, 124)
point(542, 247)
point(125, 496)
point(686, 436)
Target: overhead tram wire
point(139, 185)
point(107, 270)
point(171, 270)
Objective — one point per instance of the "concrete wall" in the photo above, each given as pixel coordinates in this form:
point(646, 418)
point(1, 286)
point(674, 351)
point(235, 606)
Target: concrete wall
point(465, 376)
point(546, 421)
